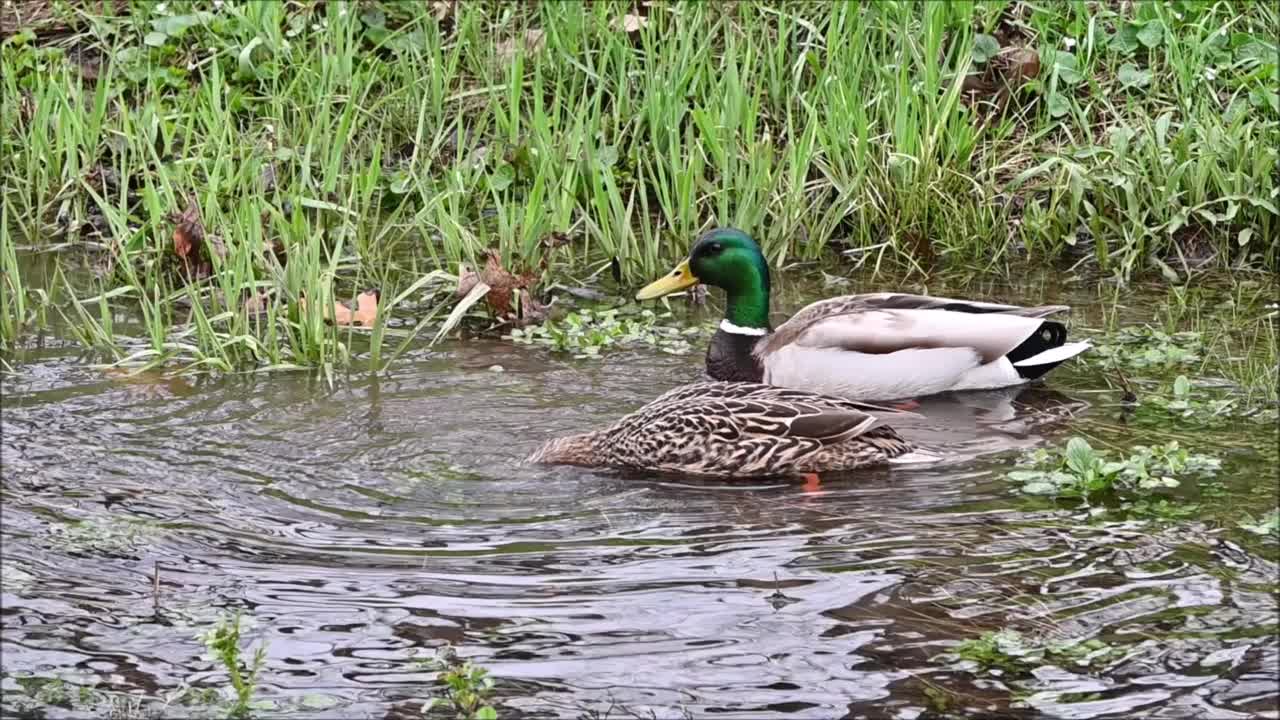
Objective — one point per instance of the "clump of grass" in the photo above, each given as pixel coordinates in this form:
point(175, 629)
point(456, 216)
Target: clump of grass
point(1013, 653)
point(223, 641)
point(467, 688)
point(1080, 471)
point(322, 157)
point(586, 333)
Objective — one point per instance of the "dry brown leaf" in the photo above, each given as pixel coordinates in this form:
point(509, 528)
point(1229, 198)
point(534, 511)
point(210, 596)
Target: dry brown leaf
point(631, 23)
point(532, 312)
point(555, 239)
point(1021, 65)
point(533, 41)
point(365, 314)
point(341, 314)
point(258, 303)
point(188, 232)
point(502, 283)
point(504, 288)
point(467, 279)
point(367, 307)
point(444, 9)
point(152, 382)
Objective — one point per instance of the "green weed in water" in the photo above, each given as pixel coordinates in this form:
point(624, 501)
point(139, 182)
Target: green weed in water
point(586, 333)
point(1143, 347)
point(36, 695)
point(100, 537)
point(1012, 652)
point(223, 641)
point(1079, 471)
point(1268, 525)
point(1186, 404)
point(467, 688)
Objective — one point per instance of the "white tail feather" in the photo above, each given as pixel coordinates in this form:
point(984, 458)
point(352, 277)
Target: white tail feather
point(1054, 355)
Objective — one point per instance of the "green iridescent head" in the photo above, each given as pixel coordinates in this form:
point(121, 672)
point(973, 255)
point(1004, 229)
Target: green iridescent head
point(728, 259)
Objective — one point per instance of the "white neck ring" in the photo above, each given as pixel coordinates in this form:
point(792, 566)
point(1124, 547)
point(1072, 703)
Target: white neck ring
point(729, 327)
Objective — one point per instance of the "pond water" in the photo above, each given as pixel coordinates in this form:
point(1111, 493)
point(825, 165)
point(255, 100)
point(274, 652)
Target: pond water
point(361, 525)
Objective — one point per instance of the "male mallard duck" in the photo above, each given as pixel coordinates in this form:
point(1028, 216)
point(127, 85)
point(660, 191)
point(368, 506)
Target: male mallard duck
point(882, 346)
point(735, 430)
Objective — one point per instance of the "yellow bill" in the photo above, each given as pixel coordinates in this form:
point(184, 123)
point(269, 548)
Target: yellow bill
point(674, 281)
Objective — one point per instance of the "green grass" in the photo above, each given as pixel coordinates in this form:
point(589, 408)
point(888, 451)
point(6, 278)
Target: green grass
point(375, 144)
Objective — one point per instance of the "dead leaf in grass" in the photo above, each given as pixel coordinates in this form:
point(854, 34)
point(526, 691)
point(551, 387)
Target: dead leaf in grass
point(188, 233)
point(1021, 65)
point(259, 303)
point(502, 284)
point(444, 9)
point(631, 23)
point(555, 239)
point(533, 41)
point(532, 312)
point(150, 382)
point(367, 307)
point(365, 314)
point(269, 177)
point(509, 296)
point(467, 279)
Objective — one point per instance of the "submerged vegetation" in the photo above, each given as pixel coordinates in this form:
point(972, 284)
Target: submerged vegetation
point(466, 688)
point(223, 642)
point(1079, 471)
point(586, 332)
point(199, 169)
point(1009, 651)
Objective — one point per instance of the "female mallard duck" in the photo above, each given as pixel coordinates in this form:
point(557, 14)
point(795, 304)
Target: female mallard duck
point(735, 430)
point(882, 346)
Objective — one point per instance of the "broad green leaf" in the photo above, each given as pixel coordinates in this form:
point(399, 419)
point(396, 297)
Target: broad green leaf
point(374, 17)
point(1066, 67)
point(177, 24)
point(1151, 34)
point(1131, 75)
point(1182, 386)
point(1080, 456)
point(1162, 128)
point(155, 39)
point(245, 59)
point(1125, 41)
point(502, 177)
point(608, 156)
point(1058, 105)
point(985, 47)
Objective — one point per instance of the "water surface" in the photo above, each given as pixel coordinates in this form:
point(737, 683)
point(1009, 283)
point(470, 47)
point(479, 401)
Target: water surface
point(362, 525)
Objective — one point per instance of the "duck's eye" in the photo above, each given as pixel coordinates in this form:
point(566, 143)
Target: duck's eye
point(715, 248)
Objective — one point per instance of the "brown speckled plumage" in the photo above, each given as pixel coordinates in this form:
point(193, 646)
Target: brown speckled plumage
point(735, 430)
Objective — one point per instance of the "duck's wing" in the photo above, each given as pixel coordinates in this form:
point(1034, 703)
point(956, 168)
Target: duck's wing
point(888, 322)
point(740, 437)
point(729, 390)
point(892, 345)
